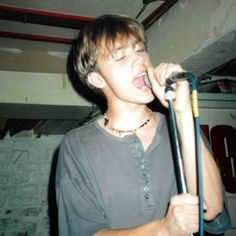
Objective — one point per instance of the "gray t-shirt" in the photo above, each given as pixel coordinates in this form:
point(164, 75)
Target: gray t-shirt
point(104, 181)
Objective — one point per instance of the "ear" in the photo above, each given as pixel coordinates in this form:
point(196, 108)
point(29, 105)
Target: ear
point(96, 80)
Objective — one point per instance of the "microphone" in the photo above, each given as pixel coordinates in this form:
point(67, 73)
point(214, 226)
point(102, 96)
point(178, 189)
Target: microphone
point(147, 81)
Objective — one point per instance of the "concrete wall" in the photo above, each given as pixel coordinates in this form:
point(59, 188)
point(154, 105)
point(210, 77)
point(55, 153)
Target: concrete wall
point(189, 28)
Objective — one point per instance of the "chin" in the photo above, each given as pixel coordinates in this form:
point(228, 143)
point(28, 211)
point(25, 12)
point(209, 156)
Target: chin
point(147, 99)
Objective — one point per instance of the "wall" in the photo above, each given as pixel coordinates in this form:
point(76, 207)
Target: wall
point(38, 88)
point(27, 201)
point(192, 27)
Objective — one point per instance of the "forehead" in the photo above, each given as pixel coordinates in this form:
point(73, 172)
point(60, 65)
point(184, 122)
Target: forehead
point(123, 43)
point(110, 45)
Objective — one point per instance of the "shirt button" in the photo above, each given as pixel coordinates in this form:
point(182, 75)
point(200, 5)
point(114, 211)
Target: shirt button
point(146, 189)
point(146, 196)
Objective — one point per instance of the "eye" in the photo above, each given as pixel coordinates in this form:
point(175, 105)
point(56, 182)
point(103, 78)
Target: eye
point(119, 55)
point(139, 48)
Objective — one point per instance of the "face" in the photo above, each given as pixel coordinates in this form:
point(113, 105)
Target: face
point(123, 72)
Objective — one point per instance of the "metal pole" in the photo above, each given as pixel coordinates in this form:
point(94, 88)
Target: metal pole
point(178, 157)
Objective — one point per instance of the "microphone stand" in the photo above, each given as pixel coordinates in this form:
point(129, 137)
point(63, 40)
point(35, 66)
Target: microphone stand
point(177, 158)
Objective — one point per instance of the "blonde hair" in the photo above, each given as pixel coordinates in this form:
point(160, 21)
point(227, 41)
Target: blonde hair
point(98, 40)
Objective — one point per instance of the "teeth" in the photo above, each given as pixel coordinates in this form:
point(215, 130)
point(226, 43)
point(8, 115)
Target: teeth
point(147, 81)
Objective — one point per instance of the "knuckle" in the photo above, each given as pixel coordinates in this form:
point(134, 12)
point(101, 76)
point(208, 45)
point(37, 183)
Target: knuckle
point(177, 210)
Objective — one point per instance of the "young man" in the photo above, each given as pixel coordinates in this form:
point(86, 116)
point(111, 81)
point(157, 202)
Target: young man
point(115, 176)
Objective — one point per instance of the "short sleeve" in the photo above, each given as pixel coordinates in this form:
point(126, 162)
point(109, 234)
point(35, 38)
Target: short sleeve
point(221, 223)
point(79, 212)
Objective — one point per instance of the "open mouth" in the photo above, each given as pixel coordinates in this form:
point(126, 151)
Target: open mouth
point(142, 81)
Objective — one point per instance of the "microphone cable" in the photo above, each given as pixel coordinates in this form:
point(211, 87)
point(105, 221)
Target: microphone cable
point(193, 82)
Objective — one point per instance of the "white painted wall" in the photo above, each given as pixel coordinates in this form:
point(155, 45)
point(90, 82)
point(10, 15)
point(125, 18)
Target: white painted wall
point(38, 88)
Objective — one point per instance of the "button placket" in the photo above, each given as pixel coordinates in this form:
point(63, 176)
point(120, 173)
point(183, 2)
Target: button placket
point(145, 188)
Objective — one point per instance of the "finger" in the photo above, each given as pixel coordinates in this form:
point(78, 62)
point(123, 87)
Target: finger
point(186, 223)
point(151, 75)
point(167, 70)
point(185, 199)
point(187, 218)
point(186, 210)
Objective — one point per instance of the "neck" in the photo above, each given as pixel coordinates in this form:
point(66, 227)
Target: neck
point(127, 119)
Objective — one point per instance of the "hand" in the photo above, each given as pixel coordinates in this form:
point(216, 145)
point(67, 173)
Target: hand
point(182, 217)
point(158, 78)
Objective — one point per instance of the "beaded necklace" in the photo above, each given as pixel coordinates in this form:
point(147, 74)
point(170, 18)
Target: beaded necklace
point(106, 124)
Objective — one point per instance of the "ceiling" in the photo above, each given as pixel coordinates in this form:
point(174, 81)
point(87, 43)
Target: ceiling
point(53, 25)
point(58, 21)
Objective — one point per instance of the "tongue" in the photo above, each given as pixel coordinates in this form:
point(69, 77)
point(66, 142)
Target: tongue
point(139, 82)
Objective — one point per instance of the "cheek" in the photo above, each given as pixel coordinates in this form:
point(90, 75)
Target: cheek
point(119, 74)
point(117, 80)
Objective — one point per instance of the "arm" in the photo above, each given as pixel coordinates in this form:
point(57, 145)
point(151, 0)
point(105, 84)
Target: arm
point(213, 193)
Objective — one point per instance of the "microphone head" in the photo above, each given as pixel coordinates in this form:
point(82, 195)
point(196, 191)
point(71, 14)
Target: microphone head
point(147, 81)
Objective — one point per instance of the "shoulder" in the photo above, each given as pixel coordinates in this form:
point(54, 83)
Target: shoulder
point(80, 134)
point(74, 144)
point(72, 159)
